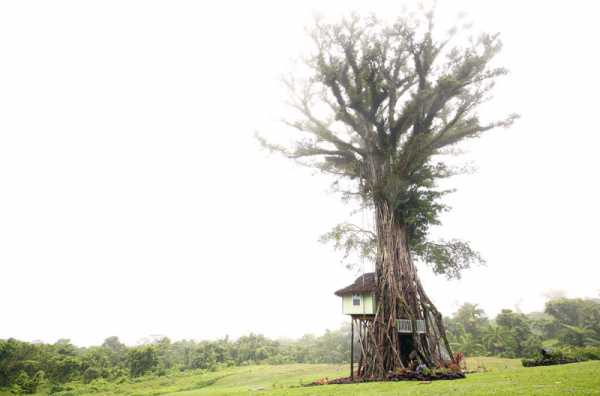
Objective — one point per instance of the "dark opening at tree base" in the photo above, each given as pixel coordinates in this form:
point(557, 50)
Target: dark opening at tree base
point(406, 346)
point(404, 375)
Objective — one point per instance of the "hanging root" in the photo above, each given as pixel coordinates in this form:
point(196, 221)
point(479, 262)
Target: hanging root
point(380, 343)
point(399, 295)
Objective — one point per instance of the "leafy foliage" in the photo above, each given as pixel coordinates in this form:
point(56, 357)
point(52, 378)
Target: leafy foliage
point(569, 355)
point(568, 323)
point(381, 106)
point(449, 258)
point(349, 238)
point(576, 322)
point(142, 360)
point(25, 366)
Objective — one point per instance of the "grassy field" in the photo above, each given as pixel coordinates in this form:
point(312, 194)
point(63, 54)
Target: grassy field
point(497, 377)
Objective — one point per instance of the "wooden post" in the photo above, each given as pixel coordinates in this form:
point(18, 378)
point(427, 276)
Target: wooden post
point(352, 349)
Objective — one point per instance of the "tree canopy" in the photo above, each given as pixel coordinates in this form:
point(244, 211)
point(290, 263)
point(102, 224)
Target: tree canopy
point(381, 106)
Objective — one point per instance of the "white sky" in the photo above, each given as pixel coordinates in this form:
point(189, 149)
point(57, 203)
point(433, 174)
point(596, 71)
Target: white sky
point(134, 199)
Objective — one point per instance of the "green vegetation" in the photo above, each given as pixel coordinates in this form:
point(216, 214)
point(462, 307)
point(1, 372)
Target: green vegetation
point(569, 326)
point(497, 376)
point(25, 366)
point(565, 324)
point(564, 356)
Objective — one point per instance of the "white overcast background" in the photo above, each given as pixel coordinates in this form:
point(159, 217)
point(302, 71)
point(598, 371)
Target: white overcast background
point(135, 200)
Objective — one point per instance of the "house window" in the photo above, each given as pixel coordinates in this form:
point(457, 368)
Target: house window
point(356, 299)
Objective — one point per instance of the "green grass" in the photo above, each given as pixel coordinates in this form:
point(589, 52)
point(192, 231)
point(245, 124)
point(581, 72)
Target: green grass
point(495, 377)
point(572, 379)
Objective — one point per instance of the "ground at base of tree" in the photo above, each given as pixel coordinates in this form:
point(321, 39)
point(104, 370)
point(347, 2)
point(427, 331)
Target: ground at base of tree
point(403, 376)
point(494, 376)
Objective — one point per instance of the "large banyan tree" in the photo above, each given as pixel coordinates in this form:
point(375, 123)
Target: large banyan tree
point(382, 106)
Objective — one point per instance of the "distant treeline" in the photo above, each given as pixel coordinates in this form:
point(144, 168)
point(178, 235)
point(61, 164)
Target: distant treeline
point(24, 366)
point(565, 323)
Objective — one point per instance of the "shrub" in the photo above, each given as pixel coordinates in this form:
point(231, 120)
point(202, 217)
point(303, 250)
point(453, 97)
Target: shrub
point(24, 384)
point(55, 388)
point(15, 389)
point(141, 360)
point(549, 358)
point(90, 374)
point(548, 362)
point(100, 385)
point(589, 352)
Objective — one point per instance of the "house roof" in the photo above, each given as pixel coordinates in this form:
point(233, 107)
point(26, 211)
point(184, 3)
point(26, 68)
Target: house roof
point(362, 284)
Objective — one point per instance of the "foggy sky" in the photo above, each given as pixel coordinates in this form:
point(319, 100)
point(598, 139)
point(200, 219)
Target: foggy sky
point(134, 199)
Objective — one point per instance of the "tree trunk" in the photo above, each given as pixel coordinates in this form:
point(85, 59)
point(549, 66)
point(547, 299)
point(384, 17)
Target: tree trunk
point(400, 295)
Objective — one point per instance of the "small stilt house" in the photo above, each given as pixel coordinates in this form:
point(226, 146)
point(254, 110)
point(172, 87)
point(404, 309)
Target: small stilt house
point(359, 297)
point(359, 301)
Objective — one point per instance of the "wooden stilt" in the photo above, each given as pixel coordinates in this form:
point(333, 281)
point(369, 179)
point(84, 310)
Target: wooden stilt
point(352, 349)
